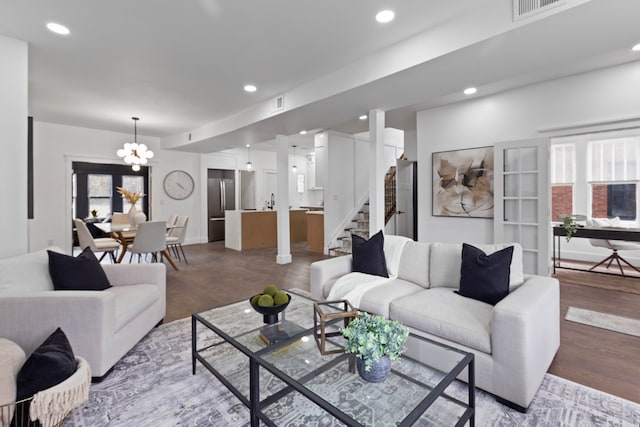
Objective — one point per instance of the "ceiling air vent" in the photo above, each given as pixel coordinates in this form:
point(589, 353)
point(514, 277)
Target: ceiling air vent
point(278, 104)
point(523, 9)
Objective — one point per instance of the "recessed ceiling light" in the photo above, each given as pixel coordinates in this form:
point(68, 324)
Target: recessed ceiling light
point(250, 88)
point(363, 117)
point(58, 29)
point(303, 132)
point(248, 145)
point(385, 16)
point(470, 91)
point(636, 48)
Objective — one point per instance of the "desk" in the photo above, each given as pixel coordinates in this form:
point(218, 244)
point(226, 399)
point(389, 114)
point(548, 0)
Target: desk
point(608, 233)
point(125, 234)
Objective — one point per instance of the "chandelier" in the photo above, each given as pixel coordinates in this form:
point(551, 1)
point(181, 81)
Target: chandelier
point(133, 153)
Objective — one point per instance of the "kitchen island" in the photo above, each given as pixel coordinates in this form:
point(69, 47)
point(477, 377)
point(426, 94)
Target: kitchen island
point(315, 231)
point(259, 229)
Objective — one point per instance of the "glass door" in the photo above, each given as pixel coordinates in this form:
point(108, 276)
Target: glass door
point(522, 201)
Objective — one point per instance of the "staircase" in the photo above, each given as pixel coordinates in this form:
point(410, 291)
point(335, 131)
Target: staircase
point(359, 226)
point(360, 222)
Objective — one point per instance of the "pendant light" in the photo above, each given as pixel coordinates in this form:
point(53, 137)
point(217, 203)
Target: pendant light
point(294, 168)
point(133, 153)
point(248, 164)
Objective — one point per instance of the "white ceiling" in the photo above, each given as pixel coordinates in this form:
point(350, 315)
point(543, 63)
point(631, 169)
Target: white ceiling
point(180, 65)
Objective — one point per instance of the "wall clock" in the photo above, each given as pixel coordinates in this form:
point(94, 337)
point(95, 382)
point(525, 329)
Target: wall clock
point(178, 184)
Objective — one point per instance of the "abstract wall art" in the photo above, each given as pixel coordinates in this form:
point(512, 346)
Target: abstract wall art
point(463, 183)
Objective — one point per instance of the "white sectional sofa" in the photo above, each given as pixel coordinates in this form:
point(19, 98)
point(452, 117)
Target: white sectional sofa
point(100, 325)
point(514, 342)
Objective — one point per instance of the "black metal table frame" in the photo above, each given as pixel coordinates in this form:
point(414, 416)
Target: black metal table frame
point(255, 405)
point(631, 235)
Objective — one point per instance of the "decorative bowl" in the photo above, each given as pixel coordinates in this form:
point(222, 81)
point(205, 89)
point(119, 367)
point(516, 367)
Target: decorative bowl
point(270, 314)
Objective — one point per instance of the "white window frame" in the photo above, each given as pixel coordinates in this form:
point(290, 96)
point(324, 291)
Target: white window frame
point(583, 179)
point(563, 147)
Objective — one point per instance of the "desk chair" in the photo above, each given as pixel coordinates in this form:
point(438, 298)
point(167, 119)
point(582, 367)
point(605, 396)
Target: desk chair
point(615, 246)
point(106, 245)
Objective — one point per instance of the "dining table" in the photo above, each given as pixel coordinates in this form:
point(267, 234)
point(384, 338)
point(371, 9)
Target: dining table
point(125, 234)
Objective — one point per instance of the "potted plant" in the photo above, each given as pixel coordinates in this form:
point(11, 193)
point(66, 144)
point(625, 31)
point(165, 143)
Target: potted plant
point(94, 213)
point(569, 223)
point(375, 341)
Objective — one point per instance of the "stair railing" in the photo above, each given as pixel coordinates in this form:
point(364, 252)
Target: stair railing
point(390, 195)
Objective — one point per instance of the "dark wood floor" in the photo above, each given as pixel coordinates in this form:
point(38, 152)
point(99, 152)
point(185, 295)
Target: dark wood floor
point(601, 359)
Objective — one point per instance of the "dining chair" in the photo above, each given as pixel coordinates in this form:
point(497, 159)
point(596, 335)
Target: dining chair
point(171, 222)
point(106, 245)
point(176, 237)
point(151, 238)
point(119, 219)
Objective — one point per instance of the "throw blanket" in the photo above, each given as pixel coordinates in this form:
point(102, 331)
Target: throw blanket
point(353, 286)
point(52, 405)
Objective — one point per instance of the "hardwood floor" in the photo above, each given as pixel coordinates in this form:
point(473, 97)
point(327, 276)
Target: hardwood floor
point(598, 358)
point(217, 276)
point(605, 360)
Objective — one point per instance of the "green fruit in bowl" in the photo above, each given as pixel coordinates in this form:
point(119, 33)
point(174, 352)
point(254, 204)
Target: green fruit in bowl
point(255, 298)
point(280, 298)
point(265, 300)
point(270, 290)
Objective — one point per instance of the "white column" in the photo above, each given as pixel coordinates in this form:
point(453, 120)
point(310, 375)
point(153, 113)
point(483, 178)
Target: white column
point(14, 75)
point(282, 204)
point(376, 171)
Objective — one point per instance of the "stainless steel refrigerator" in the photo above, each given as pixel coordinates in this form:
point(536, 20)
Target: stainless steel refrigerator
point(221, 196)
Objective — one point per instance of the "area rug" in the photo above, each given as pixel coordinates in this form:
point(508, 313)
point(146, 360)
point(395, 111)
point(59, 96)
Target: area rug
point(153, 386)
point(610, 322)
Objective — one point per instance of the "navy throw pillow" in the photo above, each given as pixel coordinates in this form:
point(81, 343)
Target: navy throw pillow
point(50, 364)
point(81, 273)
point(368, 255)
point(485, 277)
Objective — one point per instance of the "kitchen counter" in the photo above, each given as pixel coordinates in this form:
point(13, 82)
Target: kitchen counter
point(249, 229)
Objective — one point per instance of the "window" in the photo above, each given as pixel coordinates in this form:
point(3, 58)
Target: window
point(133, 184)
point(613, 176)
point(94, 186)
point(562, 179)
point(99, 191)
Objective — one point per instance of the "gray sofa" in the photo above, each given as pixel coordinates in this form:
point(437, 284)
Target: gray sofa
point(514, 342)
point(100, 325)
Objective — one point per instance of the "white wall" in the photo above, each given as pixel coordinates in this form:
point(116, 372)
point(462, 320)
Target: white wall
point(13, 143)
point(606, 95)
point(56, 146)
point(262, 162)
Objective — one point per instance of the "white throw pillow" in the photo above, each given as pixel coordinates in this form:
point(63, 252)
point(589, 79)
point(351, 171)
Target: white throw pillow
point(12, 357)
point(600, 222)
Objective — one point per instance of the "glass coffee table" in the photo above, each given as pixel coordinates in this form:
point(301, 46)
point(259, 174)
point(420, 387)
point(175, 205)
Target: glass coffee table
point(291, 382)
